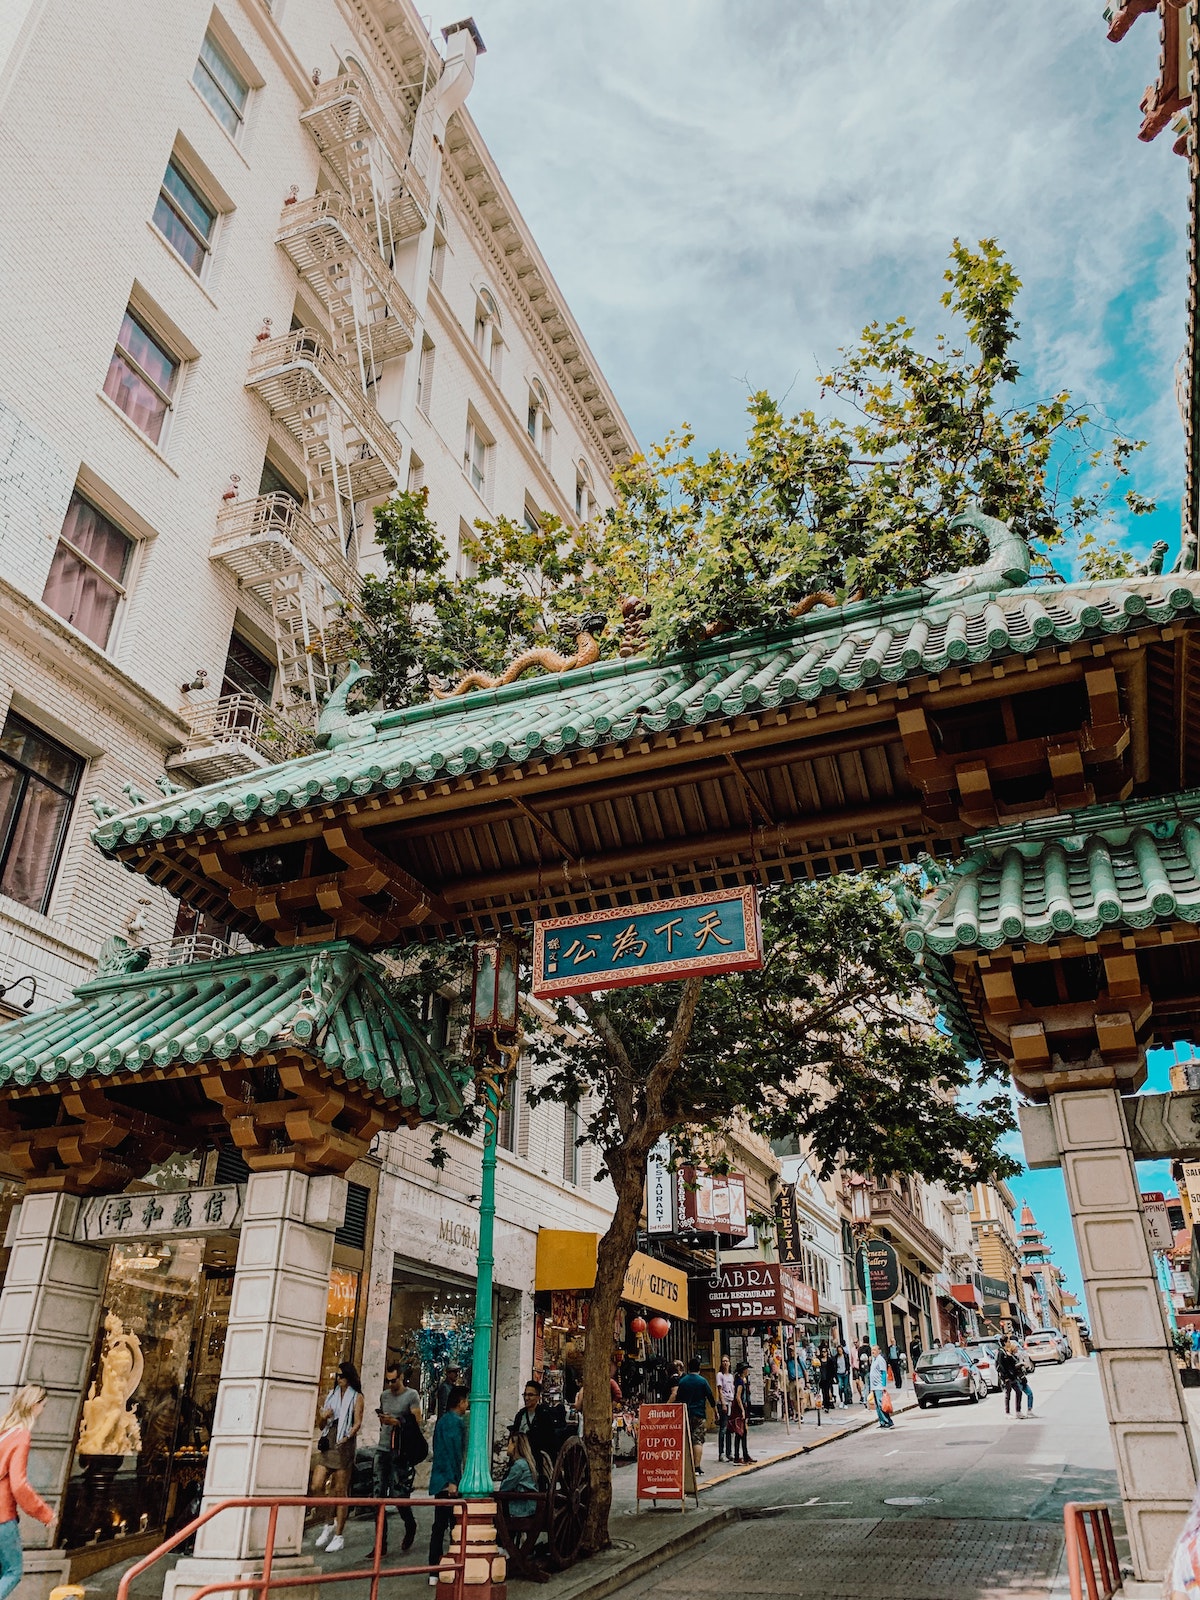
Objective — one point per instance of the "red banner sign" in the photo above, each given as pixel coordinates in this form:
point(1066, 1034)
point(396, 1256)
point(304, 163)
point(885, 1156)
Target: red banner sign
point(751, 1291)
point(662, 1435)
point(710, 1202)
point(804, 1295)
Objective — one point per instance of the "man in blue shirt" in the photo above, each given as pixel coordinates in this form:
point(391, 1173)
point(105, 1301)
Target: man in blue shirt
point(694, 1392)
point(449, 1457)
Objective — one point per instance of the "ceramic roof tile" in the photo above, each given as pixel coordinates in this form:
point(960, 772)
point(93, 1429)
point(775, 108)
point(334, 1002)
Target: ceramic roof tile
point(830, 651)
point(332, 1003)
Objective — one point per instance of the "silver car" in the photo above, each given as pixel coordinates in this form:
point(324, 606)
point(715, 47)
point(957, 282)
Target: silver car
point(983, 1352)
point(949, 1373)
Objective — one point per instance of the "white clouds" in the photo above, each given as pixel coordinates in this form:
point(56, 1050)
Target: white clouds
point(727, 189)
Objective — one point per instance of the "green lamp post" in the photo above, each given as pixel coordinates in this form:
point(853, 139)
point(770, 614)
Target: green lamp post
point(860, 1212)
point(495, 1035)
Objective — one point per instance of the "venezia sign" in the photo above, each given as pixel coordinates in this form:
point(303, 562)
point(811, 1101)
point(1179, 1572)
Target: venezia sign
point(884, 1268)
point(696, 936)
point(160, 1214)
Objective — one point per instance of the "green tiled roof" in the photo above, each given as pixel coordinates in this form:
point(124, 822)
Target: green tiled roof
point(828, 653)
point(331, 1003)
point(1123, 865)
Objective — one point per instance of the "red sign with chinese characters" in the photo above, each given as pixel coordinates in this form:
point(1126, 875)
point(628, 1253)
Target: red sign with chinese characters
point(662, 1432)
point(698, 935)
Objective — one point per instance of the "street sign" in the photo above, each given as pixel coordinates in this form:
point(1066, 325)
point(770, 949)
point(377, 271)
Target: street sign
point(1159, 1231)
point(1191, 1182)
point(885, 1269)
point(664, 1463)
point(160, 1214)
point(699, 935)
point(751, 1291)
point(787, 1225)
point(805, 1296)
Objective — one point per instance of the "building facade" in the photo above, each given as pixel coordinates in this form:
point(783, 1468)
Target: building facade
point(994, 1226)
point(1043, 1280)
point(303, 286)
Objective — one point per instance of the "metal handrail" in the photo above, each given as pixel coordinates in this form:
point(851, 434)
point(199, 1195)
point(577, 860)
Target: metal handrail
point(230, 716)
point(351, 86)
point(306, 347)
point(330, 205)
point(265, 1582)
point(1078, 1515)
point(280, 516)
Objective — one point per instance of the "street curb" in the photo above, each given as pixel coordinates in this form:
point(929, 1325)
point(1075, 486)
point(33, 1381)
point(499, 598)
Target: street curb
point(790, 1454)
point(631, 1571)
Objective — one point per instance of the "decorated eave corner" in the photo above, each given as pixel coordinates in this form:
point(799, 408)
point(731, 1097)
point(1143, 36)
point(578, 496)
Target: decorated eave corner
point(860, 736)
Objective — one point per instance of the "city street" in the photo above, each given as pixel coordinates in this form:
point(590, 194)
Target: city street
point(960, 1503)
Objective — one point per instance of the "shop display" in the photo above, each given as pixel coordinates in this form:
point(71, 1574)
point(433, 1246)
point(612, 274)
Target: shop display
point(431, 1331)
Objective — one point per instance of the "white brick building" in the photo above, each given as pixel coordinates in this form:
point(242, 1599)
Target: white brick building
point(259, 270)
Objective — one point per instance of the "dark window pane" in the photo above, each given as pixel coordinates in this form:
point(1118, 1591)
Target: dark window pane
point(34, 843)
point(171, 226)
point(184, 219)
point(29, 748)
point(150, 356)
point(274, 482)
point(247, 671)
point(189, 202)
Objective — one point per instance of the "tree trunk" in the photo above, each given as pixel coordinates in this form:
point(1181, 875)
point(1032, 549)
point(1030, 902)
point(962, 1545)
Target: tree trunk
point(615, 1252)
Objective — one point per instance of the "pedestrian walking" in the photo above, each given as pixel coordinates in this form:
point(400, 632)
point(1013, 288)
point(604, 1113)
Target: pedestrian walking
point(449, 1458)
point(724, 1404)
point(739, 1414)
point(396, 1459)
point(340, 1417)
point(843, 1374)
point(914, 1350)
point(878, 1379)
point(1008, 1370)
point(864, 1372)
point(1026, 1366)
point(828, 1376)
point(694, 1392)
point(893, 1360)
point(15, 1490)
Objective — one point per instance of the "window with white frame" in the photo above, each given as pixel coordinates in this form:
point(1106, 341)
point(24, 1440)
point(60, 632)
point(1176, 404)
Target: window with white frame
point(222, 87)
point(425, 367)
point(416, 474)
point(142, 377)
point(477, 457)
point(86, 582)
point(465, 563)
point(487, 336)
point(185, 218)
point(585, 500)
point(39, 781)
point(537, 419)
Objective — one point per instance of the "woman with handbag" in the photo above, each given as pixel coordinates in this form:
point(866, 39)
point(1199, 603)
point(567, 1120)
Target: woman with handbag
point(739, 1415)
point(15, 1492)
point(340, 1418)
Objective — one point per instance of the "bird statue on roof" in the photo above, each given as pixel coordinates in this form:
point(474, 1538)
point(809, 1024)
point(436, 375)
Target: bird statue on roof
point(1006, 567)
point(118, 955)
point(337, 723)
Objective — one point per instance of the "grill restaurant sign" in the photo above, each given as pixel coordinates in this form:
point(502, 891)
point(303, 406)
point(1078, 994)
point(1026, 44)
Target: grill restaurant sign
point(697, 936)
point(160, 1214)
point(752, 1291)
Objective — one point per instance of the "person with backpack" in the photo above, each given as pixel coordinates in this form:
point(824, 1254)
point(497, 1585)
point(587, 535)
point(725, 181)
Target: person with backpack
point(1008, 1370)
point(16, 1494)
point(401, 1446)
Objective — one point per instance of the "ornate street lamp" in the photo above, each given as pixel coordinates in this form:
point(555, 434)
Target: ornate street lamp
point(495, 1043)
point(860, 1215)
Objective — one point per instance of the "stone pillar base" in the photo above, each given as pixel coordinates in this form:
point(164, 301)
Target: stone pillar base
point(192, 1573)
point(44, 1570)
point(486, 1566)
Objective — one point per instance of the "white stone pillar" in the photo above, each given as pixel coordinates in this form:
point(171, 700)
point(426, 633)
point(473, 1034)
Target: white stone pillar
point(263, 1426)
point(1147, 1417)
point(49, 1311)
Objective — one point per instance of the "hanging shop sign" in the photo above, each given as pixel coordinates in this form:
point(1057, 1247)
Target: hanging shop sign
point(664, 1463)
point(993, 1288)
point(751, 1291)
point(803, 1295)
point(884, 1267)
point(660, 1216)
point(710, 1202)
point(566, 1259)
point(1159, 1232)
point(788, 1237)
point(696, 936)
point(160, 1213)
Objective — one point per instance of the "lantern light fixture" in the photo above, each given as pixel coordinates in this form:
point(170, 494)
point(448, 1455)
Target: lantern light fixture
point(494, 988)
point(659, 1327)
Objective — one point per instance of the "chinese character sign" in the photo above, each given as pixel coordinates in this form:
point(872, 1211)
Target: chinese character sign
point(697, 936)
point(161, 1213)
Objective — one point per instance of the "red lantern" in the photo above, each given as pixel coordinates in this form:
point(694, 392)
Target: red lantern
point(637, 1324)
point(659, 1327)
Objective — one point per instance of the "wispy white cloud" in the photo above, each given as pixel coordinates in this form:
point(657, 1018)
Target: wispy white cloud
point(728, 189)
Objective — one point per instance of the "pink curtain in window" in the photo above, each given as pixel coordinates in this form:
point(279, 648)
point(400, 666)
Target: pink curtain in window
point(35, 840)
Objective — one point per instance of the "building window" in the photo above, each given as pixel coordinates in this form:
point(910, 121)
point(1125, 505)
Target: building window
point(488, 342)
point(87, 576)
point(425, 376)
point(185, 219)
point(247, 671)
point(476, 458)
point(38, 784)
point(416, 474)
point(570, 1145)
point(221, 86)
point(273, 481)
point(531, 520)
point(585, 500)
point(465, 563)
point(537, 420)
point(437, 261)
point(141, 377)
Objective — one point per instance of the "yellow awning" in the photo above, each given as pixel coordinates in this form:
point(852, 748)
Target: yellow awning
point(567, 1260)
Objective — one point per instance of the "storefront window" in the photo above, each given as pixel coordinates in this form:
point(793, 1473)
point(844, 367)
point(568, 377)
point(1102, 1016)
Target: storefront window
point(431, 1331)
point(340, 1315)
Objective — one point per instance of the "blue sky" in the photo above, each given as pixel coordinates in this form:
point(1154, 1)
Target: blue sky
point(726, 192)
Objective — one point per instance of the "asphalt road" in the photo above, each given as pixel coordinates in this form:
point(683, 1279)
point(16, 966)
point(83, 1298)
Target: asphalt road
point(957, 1503)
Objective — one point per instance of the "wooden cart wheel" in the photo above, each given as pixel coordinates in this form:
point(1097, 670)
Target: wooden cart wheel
point(570, 1500)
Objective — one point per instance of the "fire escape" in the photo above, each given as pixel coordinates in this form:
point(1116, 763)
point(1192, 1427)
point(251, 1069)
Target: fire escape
point(298, 561)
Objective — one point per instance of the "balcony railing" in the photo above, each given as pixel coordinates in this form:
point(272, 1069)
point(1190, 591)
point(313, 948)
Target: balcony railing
point(225, 739)
point(890, 1209)
point(259, 538)
point(323, 230)
point(299, 371)
point(190, 947)
point(343, 117)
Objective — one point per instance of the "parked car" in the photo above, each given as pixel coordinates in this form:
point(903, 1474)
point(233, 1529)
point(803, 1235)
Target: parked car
point(1064, 1344)
point(1042, 1348)
point(950, 1373)
point(983, 1352)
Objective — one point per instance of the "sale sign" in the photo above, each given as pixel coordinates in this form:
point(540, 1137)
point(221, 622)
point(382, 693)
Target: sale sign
point(662, 1437)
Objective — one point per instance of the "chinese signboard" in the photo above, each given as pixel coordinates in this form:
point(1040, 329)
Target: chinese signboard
point(1159, 1231)
point(660, 1218)
point(662, 1434)
point(884, 1267)
point(710, 1202)
point(787, 1225)
point(160, 1213)
point(751, 1291)
point(696, 936)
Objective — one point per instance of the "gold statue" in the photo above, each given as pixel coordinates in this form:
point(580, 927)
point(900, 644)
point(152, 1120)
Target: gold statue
point(109, 1428)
